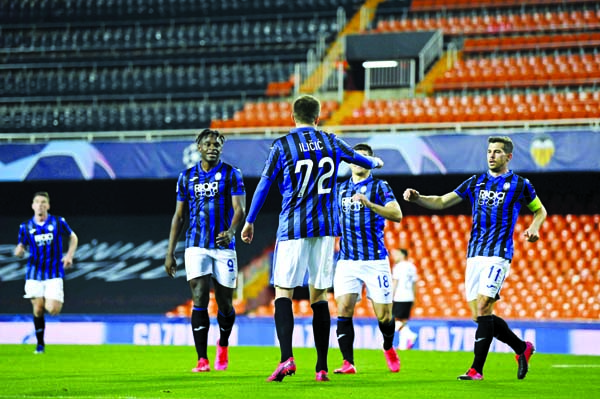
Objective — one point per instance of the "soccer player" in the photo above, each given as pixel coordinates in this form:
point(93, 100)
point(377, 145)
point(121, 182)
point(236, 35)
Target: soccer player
point(211, 194)
point(43, 235)
point(496, 198)
point(305, 163)
point(404, 277)
point(364, 203)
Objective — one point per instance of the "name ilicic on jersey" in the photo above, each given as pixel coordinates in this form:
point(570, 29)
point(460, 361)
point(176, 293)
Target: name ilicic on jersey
point(311, 146)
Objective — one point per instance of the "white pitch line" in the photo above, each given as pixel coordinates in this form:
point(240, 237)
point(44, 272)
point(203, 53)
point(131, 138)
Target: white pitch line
point(566, 366)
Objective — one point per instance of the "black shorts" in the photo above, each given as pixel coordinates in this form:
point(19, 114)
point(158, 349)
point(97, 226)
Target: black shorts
point(401, 310)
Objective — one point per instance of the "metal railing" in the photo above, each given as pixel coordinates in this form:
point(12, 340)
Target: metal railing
point(401, 75)
point(430, 52)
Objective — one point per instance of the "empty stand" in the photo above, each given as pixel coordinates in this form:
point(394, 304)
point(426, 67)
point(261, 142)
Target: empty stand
point(531, 42)
point(269, 114)
point(157, 60)
point(478, 22)
point(522, 71)
point(504, 106)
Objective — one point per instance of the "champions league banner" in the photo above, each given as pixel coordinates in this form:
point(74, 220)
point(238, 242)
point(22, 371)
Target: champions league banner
point(403, 154)
point(433, 335)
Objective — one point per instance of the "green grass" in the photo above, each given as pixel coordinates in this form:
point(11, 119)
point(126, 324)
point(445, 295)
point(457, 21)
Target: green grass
point(115, 371)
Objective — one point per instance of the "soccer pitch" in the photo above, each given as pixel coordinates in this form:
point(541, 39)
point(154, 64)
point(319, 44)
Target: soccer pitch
point(123, 371)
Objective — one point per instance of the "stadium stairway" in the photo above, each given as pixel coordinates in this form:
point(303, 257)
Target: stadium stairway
point(313, 82)
point(352, 100)
point(444, 64)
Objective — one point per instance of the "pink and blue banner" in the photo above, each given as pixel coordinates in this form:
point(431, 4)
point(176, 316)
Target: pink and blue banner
point(403, 153)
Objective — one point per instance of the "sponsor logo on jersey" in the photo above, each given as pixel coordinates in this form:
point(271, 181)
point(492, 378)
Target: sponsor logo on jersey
point(491, 198)
point(349, 205)
point(43, 239)
point(208, 189)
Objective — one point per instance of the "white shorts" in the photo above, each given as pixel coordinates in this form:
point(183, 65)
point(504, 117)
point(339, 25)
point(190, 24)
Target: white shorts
point(49, 289)
point(375, 274)
point(221, 263)
point(485, 276)
point(293, 258)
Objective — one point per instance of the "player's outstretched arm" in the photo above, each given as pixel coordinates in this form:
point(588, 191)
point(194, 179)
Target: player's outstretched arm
point(435, 202)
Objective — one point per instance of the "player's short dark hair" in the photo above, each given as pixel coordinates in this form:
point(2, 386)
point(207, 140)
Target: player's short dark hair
point(306, 109)
point(404, 251)
point(508, 144)
point(209, 132)
point(42, 194)
point(364, 147)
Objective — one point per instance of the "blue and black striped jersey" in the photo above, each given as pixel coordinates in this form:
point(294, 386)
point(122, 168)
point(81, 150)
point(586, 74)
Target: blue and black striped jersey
point(208, 196)
point(362, 229)
point(495, 204)
point(305, 163)
point(45, 244)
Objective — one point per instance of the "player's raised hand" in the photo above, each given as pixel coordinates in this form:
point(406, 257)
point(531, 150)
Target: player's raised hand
point(379, 162)
point(362, 199)
point(411, 195)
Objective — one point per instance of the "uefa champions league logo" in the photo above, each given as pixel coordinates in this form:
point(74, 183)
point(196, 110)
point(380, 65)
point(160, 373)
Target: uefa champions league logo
point(83, 155)
point(191, 156)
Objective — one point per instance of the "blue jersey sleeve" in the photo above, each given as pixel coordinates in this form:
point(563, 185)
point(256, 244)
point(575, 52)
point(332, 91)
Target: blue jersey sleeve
point(385, 193)
point(463, 190)
point(237, 182)
point(22, 235)
point(528, 193)
point(181, 188)
point(272, 164)
point(64, 227)
point(258, 200)
point(353, 157)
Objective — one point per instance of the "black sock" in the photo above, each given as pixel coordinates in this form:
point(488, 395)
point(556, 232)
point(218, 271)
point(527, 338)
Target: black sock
point(39, 323)
point(506, 335)
point(345, 337)
point(225, 326)
point(388, 330)
point(200, 326)
point(284, 324)
point(321, 324)
point(483, 339)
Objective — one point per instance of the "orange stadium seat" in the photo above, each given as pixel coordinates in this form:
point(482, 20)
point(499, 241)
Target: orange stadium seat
point(518, 106)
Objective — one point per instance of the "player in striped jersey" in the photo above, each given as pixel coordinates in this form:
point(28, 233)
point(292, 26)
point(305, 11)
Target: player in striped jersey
point(211, 194)
point(364, 203)
point(43, 235)
point(305, 163)
point(496, 198)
